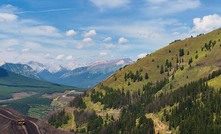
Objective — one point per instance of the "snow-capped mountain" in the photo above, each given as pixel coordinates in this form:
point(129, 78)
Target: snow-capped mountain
point(70, 74)
point(21, 69)
point(39, 67)
point(72, 65)
point(86, 76)
point(2, 63)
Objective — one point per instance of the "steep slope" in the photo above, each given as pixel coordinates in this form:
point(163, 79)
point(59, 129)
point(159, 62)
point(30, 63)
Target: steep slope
point(21, 69)
point(160, 84)
point(204, 50)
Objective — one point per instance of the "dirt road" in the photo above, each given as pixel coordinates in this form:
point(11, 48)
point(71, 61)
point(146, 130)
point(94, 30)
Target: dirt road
point(10, 123)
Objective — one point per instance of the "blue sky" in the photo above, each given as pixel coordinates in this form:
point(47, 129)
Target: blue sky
point(84, 31)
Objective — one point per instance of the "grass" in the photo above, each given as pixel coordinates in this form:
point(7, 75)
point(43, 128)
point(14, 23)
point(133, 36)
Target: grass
point(71, 123)
point(25, 104)
point(40, 111)
point(160, 127)
point(216, 82)
point(98, 108)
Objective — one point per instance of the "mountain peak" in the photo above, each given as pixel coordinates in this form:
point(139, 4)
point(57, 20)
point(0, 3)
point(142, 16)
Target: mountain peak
point(2, 63)
point(39, 67)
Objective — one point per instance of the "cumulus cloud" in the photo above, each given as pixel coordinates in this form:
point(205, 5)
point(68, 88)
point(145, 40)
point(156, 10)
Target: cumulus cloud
point(59, 57)
point(122, 40)
point(107, 39)
point(142, 55)
point(90, 33)
point(103, 54)
point(70, 57)
point(87, 40)
point(71, 33)
point(5, 17)
point(207, 23)
point(102, 4)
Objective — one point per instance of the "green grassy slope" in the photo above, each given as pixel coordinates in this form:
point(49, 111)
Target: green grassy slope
point(207, 61)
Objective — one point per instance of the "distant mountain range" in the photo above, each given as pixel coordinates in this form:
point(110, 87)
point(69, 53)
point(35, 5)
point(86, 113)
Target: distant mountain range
point(82, 77)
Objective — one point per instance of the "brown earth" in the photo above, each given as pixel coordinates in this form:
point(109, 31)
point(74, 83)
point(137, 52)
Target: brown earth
point(9, 124)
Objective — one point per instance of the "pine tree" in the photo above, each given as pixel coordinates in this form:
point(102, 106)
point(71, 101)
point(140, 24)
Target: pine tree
point(146, 76)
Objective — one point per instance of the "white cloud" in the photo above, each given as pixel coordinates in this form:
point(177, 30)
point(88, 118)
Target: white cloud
point(156, 1)
point(70, 57)
point(8, 9)
point(176, 33)
point(122, 40)
point(90, 33)
point(172, 6)
point(9, 42)
point(110, 46)
point(42, 31)
point(26, 49)
point(142, 55)
point(59, 57)
point(71, 33)
point(5, 17)
point(40, 37)
point(103, 54)
point(207, 23)
point(32, 45)
point(102, 4)
point(48, 56)
point(80, 46)
point(107, 39)
point(10, 49)
point(87, 40)
point(146, 33)
point(149, 30)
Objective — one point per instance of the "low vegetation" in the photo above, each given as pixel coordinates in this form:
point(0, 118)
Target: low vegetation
point(58, 119)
